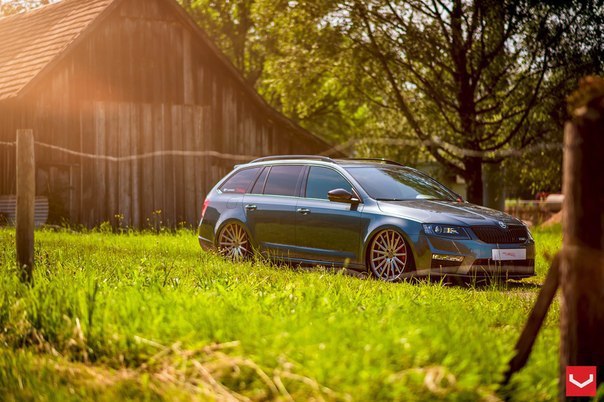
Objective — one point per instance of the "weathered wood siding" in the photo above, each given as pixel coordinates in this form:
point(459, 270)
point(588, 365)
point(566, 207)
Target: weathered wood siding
point(142, 82)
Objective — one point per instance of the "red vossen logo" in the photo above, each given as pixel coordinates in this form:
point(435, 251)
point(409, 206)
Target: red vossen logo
point(581, 381)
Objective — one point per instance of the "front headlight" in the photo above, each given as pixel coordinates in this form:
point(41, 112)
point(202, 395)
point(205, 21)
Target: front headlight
point(449, 231)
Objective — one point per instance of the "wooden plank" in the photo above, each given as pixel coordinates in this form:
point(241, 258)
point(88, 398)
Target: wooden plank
point(71, 140)
point(146, 146)
point(266, 134)
point(178, 164)
point(175, 62)
point(84, 215)
point(158, 166)
point(201, 91)
point(188, 84)
point(169, 178)
point(87, 167)
point(135, 146)
point(73, 188)
point(131, 55)
point(100, 165)
point(125, 190)
point(155, 85)
point(215, 130)
point(200, 161)
point(226, 118)
point(112, 180)
point(5, 171)
point(190, 173)
point(208, 144)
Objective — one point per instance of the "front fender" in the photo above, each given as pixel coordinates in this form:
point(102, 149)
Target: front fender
point(409, 229)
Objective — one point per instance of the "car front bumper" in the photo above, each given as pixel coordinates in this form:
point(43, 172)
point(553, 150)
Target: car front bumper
point(477, 258)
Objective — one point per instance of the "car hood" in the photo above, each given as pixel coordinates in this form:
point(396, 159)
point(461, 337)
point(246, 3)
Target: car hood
point(447, 212)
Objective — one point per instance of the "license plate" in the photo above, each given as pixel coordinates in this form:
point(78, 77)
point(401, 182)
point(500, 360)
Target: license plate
point(509, 254)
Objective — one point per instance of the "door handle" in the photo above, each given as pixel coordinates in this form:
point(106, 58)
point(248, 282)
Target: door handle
point(303, 211)
point(251, 207)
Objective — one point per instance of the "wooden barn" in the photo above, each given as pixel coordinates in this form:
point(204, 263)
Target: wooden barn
point(136, 114)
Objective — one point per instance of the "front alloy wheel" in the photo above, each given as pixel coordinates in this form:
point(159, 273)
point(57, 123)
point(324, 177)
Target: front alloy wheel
point(388, 255)
point(233, 242)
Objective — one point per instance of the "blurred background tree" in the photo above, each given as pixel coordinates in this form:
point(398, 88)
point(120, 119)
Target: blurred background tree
point(460, 82)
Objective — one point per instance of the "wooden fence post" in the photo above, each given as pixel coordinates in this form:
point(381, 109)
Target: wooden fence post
point(582, 264)
point(26, 191)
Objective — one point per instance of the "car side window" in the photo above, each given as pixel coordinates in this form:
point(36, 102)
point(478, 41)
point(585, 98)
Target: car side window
point(322, 180)
point(241, 181)
point(283, 180)
point(259, 186)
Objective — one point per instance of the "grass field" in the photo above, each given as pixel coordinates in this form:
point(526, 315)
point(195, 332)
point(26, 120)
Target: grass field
point(151, 317)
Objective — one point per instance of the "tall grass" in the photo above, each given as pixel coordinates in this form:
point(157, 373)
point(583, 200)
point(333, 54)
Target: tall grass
point(145, 316)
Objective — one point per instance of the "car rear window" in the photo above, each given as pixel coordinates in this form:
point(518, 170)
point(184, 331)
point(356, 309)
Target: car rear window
point(241, 181)
point(322, 180)
point(283, 180)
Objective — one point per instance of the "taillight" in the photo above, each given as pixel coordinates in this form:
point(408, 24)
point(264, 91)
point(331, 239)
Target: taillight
point(204, 207)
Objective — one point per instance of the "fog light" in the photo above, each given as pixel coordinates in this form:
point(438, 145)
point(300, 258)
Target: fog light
point(445, 257)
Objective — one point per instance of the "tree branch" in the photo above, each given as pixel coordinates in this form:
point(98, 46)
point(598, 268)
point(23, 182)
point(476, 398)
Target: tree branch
point(432, 148)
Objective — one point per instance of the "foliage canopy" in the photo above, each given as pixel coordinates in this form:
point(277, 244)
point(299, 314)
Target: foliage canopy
point(466, 82)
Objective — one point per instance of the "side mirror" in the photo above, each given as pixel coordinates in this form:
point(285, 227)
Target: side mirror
point(341, 195)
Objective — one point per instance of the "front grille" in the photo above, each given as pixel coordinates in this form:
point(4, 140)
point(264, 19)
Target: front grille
point(487, 262)
point(495, 235)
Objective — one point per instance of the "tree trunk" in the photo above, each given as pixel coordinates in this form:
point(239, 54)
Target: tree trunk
point(582, 267)
point(493, 195)
point(473, 178)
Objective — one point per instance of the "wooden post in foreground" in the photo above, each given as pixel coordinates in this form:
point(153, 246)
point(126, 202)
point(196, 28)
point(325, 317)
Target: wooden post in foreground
point(582, 263)
point(26, 191)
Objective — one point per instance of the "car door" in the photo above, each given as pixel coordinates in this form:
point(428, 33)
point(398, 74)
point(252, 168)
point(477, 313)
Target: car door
point(326, 230)
point(270, 209)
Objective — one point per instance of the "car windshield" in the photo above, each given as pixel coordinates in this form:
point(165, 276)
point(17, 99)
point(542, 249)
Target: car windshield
point(395, 183)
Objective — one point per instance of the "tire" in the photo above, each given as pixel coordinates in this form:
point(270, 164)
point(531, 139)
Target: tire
point(389, 255)
point(233, 242)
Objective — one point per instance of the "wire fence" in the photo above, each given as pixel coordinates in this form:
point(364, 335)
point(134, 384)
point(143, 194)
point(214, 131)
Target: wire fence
point(451, 148)
point(129, 158)
point(346, 146)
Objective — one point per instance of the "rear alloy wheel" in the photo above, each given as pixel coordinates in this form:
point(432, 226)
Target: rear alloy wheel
point(234, 243)
point(388, 255)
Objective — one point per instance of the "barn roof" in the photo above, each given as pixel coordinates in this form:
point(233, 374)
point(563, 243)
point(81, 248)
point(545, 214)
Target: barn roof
point(32, 40)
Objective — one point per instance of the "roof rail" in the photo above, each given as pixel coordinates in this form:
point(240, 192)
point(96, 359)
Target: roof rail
point(286, 157)
point(387, 161)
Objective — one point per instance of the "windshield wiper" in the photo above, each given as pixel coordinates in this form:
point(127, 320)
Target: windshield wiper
point(391, 199)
